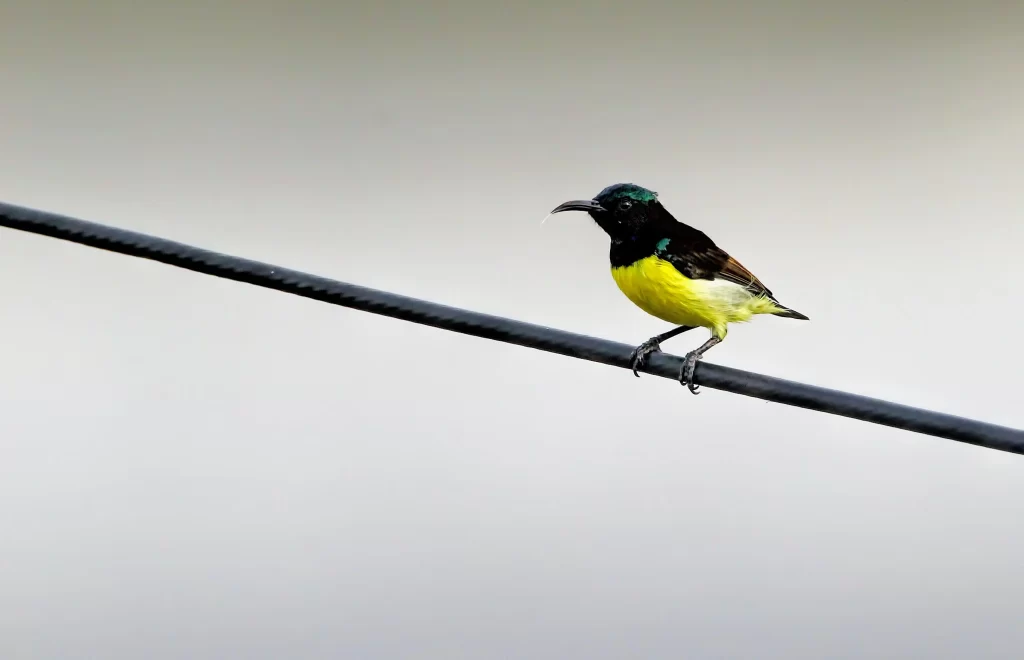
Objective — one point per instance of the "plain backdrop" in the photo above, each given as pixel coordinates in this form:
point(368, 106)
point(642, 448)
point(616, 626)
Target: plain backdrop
point(196, 468)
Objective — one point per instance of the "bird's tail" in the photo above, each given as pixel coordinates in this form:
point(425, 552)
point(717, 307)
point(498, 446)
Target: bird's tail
point(787, 313)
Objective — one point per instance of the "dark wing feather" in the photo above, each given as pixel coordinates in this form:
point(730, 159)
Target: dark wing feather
point(697, 257)
point(736, 272)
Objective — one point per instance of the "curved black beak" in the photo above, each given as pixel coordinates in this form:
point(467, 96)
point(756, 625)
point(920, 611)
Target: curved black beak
point(579, 205)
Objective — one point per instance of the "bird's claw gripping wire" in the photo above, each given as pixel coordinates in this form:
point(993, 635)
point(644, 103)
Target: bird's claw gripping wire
point(690, 362)
point(686, 372)
point(638, 357)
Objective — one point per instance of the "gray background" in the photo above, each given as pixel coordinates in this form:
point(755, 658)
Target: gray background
point(196, 468)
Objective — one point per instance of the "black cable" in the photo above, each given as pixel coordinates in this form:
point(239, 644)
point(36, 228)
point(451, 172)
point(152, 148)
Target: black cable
point(508, 330)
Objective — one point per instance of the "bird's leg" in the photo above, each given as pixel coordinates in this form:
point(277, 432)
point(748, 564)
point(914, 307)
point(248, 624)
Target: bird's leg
point(690, 362)
point(653, 345)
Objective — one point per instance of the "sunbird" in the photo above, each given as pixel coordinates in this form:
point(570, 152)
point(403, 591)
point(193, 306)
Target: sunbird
point(674, 272)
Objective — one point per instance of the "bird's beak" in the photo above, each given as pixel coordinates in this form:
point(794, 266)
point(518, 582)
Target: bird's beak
point(578, 205)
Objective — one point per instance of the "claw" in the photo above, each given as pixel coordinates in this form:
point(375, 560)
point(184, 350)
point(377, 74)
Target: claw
point(639, 355)
point(686, 373)
point(690, 362)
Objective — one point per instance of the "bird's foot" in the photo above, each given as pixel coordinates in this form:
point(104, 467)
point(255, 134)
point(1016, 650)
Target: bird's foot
point(639, 356)
point(686, 372)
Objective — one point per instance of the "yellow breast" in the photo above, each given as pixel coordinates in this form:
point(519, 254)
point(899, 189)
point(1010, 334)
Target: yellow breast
point(656, 287)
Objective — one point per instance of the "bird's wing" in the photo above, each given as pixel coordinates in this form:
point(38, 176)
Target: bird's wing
point(736, 272)
point(697, 257)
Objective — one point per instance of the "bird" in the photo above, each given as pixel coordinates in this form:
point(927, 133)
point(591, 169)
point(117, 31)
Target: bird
point(674, 272)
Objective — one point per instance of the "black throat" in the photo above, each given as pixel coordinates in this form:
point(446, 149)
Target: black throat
point(627, 250)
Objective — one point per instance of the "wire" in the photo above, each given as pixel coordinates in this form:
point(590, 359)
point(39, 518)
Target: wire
point(508, 330)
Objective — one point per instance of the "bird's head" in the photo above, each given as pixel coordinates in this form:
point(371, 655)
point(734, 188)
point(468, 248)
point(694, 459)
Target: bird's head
point(621, 209)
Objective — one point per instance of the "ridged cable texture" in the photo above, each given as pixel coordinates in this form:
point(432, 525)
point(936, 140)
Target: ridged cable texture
point(508, 330)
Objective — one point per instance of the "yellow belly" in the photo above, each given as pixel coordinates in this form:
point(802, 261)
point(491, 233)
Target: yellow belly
point(656, 287)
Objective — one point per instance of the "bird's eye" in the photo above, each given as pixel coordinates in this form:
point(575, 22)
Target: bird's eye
point(625, 204)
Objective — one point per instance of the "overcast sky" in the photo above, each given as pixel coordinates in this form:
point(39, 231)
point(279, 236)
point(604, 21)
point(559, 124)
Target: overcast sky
point(196, 468)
